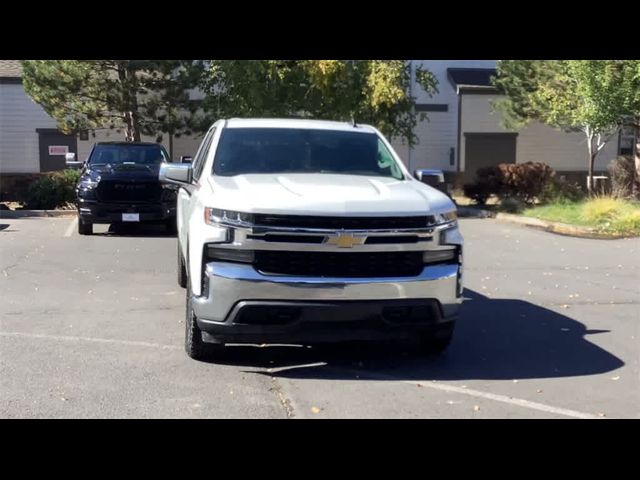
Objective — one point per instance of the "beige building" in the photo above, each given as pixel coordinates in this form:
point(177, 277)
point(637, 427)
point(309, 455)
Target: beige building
point(29, 137)
point(464, 133)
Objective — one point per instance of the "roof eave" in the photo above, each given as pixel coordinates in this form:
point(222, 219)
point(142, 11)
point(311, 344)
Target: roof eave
point(476, 89)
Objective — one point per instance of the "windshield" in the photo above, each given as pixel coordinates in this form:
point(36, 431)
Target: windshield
point(289, 150)
point(113, 154)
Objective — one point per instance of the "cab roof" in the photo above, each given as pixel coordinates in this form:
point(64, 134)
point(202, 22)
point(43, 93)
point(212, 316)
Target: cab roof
point(297, 123)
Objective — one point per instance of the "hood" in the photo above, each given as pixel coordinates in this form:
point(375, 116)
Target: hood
point(124, 171)
point(327, 194)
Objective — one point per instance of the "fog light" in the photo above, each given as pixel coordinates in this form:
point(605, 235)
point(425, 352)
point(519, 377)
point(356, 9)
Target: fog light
point(230, 255)
point(438, 256)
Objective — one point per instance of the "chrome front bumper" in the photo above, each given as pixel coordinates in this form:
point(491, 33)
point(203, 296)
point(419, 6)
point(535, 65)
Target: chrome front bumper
point(230, 283)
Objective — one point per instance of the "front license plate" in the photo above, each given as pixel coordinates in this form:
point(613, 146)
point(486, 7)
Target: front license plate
point(130, 217)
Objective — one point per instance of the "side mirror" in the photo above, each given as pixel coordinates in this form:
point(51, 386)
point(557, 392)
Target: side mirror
point(70, 161)
point(433, 178)
point(186, 159)
point(176, 173)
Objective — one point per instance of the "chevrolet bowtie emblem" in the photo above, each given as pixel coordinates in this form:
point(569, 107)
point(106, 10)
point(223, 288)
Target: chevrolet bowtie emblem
point(344, 240)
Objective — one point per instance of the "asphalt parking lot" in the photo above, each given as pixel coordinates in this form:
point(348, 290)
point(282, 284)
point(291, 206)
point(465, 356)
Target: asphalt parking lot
point(93, 327)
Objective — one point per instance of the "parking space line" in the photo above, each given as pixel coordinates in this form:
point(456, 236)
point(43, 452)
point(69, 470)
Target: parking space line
point(68, 338)
point(510, 400)
point(520, 402)
point(71, 227)
point(433, 385)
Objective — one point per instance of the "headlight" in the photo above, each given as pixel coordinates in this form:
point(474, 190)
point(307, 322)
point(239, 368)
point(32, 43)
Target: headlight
point(88, 184)
point(447, 217)
point(215, 216)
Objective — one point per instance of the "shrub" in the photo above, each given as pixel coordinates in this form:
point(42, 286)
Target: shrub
point(623, 176)
point(53, 190)
point(522, 181)
point(560, 191)
point(628, 222)
point(512, 205)
point(478, 192)
point(600, 209)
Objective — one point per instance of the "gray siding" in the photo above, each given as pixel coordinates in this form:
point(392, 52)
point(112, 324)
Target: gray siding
point(535, 142)
point(438, 134)
point(19, 118)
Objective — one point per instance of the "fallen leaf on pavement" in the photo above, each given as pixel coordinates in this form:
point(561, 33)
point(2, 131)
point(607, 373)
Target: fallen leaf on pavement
point(315, 410)
point(617, 377)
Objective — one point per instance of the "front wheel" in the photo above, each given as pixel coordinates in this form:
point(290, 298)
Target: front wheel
point(436, 342)
point(171, 226)
point(84, 228)
point(182, 268)
point(195, 347)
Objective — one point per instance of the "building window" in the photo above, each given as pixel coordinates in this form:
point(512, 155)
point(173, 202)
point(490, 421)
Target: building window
point(432, 107)
point(626, 141)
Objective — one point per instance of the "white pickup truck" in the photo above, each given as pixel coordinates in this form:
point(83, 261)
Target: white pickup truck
point(305, 231)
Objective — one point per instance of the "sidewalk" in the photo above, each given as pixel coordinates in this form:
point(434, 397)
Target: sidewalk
point(36, 213)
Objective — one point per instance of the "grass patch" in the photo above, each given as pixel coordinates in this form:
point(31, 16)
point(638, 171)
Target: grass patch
point(606, 214)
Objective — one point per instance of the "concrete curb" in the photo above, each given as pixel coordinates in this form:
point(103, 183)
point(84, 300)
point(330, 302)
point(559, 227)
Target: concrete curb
point(552, 227)
point(36, 213)
point(559, 228)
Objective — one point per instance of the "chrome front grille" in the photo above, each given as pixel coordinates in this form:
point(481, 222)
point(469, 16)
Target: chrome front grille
point(339, 264)
point(343, 223)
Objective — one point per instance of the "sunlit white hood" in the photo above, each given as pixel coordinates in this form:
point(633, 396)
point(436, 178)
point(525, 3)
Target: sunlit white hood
point(327, 194)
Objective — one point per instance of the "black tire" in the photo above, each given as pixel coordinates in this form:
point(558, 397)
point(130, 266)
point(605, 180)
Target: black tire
point(171, 225)
point(195, 347)
point(436, 342)
point(182, 269)
point(85, 228)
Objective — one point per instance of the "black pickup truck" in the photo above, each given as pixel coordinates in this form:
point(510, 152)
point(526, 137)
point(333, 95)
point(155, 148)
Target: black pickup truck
point(119, 183)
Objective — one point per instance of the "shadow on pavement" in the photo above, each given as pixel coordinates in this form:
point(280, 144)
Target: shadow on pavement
point(150, 230)
point(494, 339)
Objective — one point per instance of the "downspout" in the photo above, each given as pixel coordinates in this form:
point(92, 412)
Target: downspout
point(413, 112)
point(459, 129)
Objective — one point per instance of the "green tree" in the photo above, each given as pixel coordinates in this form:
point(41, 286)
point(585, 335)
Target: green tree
point(367, 91)
point(138, 96)
point(574, 95)
point(631, 93)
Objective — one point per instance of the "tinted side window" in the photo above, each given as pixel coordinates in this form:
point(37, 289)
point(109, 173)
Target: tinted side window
point(117, 153)
point(198, 161)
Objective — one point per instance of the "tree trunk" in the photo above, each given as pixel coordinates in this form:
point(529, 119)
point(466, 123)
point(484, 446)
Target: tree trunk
point(129, 133)
point(591, 160)
point(128, 82)
point(171, 146)
point(635, 188)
